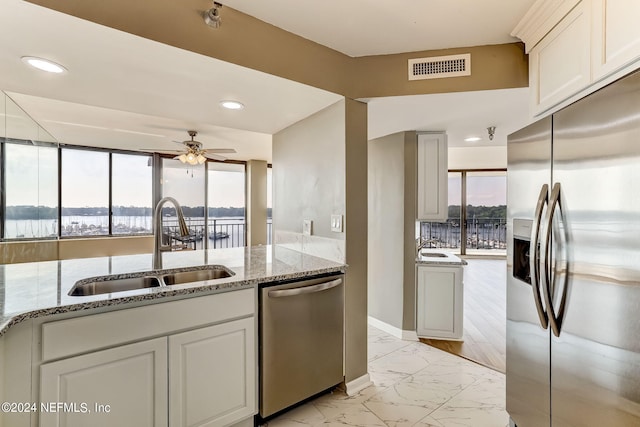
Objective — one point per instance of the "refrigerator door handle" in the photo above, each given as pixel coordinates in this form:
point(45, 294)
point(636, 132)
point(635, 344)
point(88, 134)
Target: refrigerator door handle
point(555, 319)
point(535, 259)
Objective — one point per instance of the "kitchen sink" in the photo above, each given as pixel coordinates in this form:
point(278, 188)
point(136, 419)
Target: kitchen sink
point(434, 254)
point(195, 276)
point(151, 279)
point(114, 285)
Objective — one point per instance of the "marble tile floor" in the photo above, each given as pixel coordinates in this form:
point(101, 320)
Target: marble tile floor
point(414, 385)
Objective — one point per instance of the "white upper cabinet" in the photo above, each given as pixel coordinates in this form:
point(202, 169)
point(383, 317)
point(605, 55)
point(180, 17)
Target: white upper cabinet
point(432, 177)
point(615, 22)
point(575, 47)
point(560, 65)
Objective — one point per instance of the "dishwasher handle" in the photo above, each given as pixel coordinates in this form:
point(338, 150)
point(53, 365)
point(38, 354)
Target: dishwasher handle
point(305, 289)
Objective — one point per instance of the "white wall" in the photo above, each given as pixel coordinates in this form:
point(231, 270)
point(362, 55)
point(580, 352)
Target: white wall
point(309, 182)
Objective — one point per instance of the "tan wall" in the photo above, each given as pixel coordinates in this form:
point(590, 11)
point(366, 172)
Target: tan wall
point(356, 221)
point(386, 228)
point(49, 250)
point(249, 42)
point(256, 190)
point(492, 67)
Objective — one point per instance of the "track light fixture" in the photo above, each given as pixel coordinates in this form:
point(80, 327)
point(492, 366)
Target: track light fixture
point(491, 130)
point(212, 16)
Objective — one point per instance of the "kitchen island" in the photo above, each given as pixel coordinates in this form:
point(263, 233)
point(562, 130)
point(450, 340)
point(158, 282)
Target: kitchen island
point(132, 357)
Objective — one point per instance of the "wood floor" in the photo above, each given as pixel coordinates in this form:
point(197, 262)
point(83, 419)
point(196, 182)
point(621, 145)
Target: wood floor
point(484, 315)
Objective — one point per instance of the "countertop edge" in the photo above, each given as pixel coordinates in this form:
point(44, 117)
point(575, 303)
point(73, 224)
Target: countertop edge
point(163, 293)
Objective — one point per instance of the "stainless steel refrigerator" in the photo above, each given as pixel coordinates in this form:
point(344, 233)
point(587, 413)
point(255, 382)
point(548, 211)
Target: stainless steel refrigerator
point(573, 279)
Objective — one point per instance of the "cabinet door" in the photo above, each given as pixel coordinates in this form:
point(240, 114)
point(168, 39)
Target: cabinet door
point(212, 375)
point(121, 386)
point(439, 302)
point(559, 66)
point(432, 177)
point(616, 35)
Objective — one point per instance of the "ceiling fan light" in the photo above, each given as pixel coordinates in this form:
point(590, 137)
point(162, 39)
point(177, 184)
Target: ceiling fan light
point(201, 159)
point(182, 158)
point(191, 159)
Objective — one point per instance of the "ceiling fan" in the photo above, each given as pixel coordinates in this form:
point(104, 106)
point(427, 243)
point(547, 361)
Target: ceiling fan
point(195, 154)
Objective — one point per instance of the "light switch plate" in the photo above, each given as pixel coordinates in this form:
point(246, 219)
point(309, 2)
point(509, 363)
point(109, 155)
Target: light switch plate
point(307, 227)
point(336, 223)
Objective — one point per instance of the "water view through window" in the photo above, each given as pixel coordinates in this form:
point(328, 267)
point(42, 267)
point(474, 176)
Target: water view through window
point(226, 199)
point(85, 193)
point(482, 222)
point(31, 185)
point(131, 194)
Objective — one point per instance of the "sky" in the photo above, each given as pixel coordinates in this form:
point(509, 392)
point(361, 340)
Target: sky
point(483, 188)
point(31, 177)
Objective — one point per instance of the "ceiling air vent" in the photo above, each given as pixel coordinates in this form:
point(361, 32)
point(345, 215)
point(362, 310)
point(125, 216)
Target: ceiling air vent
point(439, 67)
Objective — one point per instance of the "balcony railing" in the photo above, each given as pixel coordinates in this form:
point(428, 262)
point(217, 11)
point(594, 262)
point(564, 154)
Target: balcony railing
point(223, 232)
point(481, 234)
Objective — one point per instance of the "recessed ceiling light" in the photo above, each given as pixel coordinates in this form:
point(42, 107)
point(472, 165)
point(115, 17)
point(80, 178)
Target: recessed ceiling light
point(44, 64)
point(472, 139)
point(232, 105)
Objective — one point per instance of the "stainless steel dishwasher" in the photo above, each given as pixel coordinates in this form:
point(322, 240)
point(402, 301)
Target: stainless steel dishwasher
point(301, 341)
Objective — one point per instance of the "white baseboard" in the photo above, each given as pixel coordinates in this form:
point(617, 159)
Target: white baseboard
point(392, 330)
point(353, 387)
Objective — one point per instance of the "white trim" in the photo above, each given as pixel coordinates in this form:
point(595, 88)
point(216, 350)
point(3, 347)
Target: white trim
point(409, 335)
point(392, 330)
point(540, 19)
point(355, 386)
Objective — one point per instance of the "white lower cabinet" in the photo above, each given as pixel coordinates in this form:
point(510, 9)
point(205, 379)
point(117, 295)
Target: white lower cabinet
point(439, 302)
point(212, 378)
point(121, 386)
point(201, 372)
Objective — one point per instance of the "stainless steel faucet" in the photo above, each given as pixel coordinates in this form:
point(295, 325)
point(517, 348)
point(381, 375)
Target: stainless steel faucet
point(422, 242)
point(158, 247)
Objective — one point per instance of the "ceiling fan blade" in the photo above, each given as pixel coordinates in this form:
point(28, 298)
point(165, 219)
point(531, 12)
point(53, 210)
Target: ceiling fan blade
point(220, 150)
point(159, 150)
point(215, 157)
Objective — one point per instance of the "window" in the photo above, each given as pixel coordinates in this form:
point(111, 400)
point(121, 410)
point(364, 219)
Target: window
point(186, 184)
point(31, 188)
point(131, 194)
point(446, 235)
point(486, 212)
point(85, 193)
point(477, 211)
point(226, 200)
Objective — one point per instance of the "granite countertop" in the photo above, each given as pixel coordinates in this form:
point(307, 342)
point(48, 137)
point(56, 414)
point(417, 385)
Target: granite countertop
point(448, 259)
point(37, 289)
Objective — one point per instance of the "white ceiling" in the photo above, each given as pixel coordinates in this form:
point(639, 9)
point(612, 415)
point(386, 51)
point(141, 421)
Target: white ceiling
point(461, 115)
point(120, 81)
point(123, 91)
point(378, 27)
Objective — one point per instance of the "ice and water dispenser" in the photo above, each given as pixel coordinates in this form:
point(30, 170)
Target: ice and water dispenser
point(521, 245)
